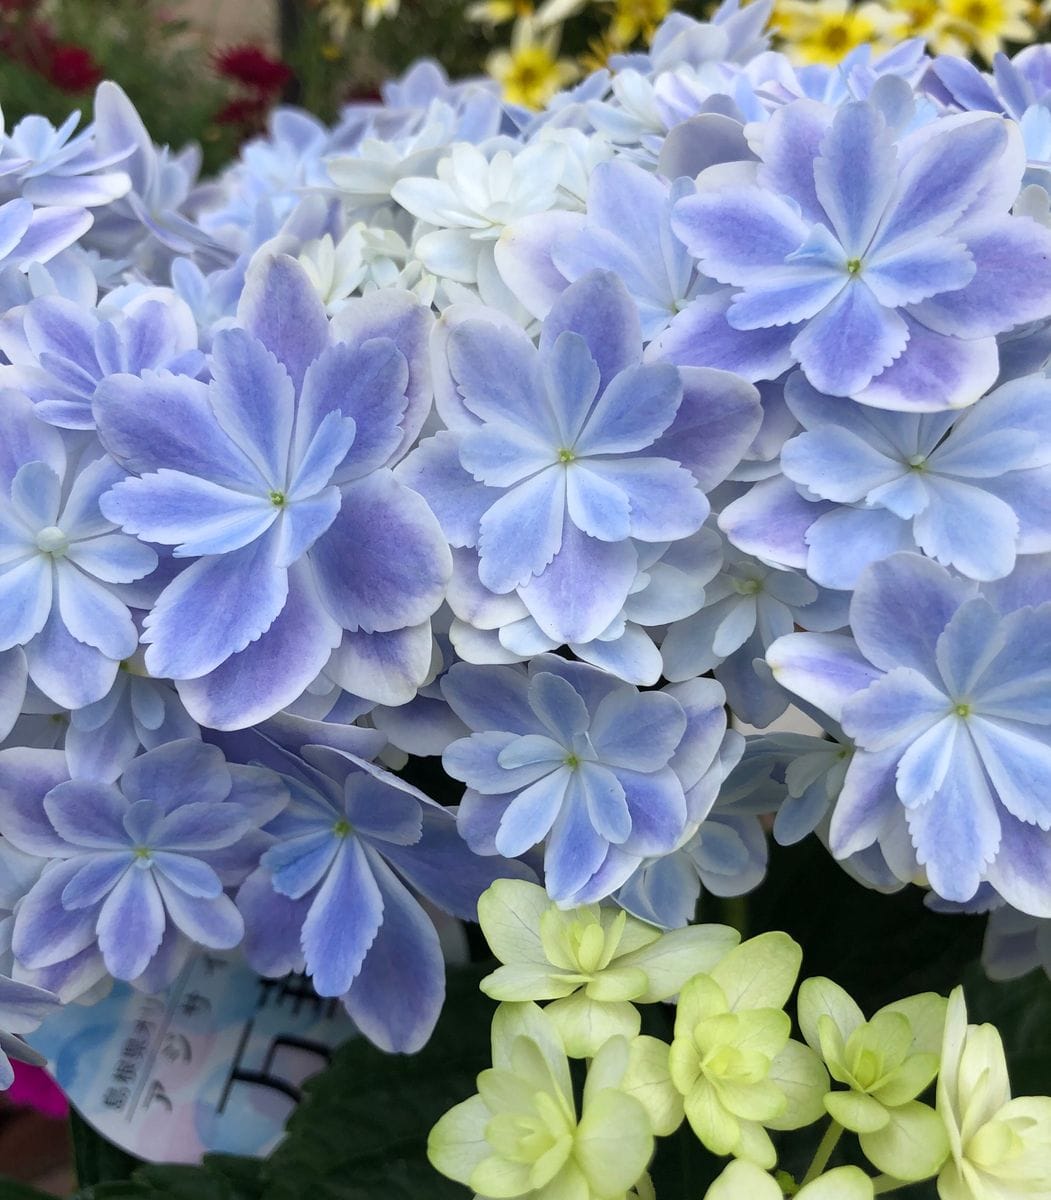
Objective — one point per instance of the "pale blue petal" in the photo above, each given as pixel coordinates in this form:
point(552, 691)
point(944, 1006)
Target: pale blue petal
point(298, 864)
point(598, 308)
point(1018, 765)
point(280, 306)
point(607, 806)
point(640, 730)
point(596, 506)
point(529, 817)
point(45, 933)
point(25, 599)
point(93, 614)
point(131, 924)
point(666, 503)
point(636, 408)
point(499, 377)
point(855, 174)
point(490, 697)
point(113, 558)
point(190, 876)
point(894, 710)
point(923, 767)
point(522, 532)
point(213, 922)
point(849, 342)
point(344, 918)
point(86, 813)
point(844, 542)
point(966, 528)
point(825, 669)
point(500, 454)
point(98, 875)
point(458, 501)
point(912, 273)
point(837, 464)
point(575, 849)
point(571, 377)
point(786, 296)
point(69, 672)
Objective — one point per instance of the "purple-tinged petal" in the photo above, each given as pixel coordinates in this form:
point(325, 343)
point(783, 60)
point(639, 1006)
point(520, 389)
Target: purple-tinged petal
point(937, 183)
point(178, 773)
point(899, 610)
point(362, 582)
point(738, 235)
point(210, 921)
point(637, 407)
point(303, 522)
point(385, 668)
point(190, 876)
point(638, 730)
point(701, 336)
point(163, 420)
point(855, 174)
point(36, 495)
point(397, 996)
point(824, 669)
point(849, 342)
point(86, 813)
point(957, 832)
point(113, 558)
point(93, 614)
point(51, 230)
point(25, 599)
point(786, 296)
point(657, 805)
point(26, 778)
point(575, 850)
point(131, 924)
point(522, 532)
point(382, 812)
point(254, 401)
point(867, 802)
point(499, 377)
point(316, 463)
point(598, 308)
point(272, 926)
point(894, 710)
point(843, 542)
point(1018, 766)
point(45, 933)
point(923, 767)
point(935, 373)
point(529, 817)
point(837, 464)
point(459, 502)
point(97, 876)
point(490, 698)
point(1021, 870)
point(1011, 283)
point(771, 520)
point(14, 676)
point(344, 918)
point(571, 377)
point(912, 273)
point(202, 825)
point(523, 257)
point(66, 670)
point(665, 501)
point(558, 705)
point(583, 589)
point(274, 670)
point(597, 506)
point(787, 144)
point(214, 609)
point(298, 864)
point(606, 804)
point(500, 455)
point(401, 318)
point(280, 307)
point(967, 528)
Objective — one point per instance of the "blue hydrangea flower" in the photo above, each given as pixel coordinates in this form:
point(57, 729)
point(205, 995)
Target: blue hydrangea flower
point(944, 693)
point(273, 477)
point(330, 895)
point(746, 607)
point(568, 755)
point(556, 461)
point(49, 166)
point(61, 562)
point(61, 350)
point(970, 491)
point(22, 1008)
point(882, 263)
point(130, 862)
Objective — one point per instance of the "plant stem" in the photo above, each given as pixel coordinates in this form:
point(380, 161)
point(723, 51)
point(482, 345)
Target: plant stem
point(823, 1153)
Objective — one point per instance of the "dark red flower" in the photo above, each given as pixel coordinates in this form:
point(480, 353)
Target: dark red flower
point(248, 112)
point(253, 67)
point(73, 69)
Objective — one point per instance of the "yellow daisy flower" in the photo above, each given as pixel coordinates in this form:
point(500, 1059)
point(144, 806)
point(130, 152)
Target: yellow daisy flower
point(633, 19)
point(531, 72)
point(981, 25)
point(822, 31)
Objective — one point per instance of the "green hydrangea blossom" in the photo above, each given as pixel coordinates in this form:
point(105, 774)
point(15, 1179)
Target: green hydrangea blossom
point(886, 1063)
point(732, 1058)
point(520, 1135)
point(999, 1148)
point(744, 1181)
point(591, 962)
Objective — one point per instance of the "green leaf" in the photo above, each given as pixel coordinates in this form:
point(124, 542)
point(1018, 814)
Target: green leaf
point(11, 1189)
point(360, 1132)
point(96, 1160)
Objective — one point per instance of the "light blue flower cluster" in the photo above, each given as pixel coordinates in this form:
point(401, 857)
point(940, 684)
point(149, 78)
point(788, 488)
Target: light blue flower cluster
point(546, 445)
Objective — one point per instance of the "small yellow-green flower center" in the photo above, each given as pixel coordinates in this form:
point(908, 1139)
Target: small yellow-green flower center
point(750, 587)
point(962, 710)
point(571, 761)
point(853, 266)
point(565, 455)
point(142, 852)
point(341, 828)
point(278, 499)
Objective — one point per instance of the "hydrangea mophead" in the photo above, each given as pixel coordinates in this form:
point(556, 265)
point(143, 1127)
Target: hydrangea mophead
point(454, 496)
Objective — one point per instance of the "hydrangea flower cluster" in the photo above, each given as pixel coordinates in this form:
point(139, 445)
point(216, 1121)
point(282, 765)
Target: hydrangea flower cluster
point(550, 445)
